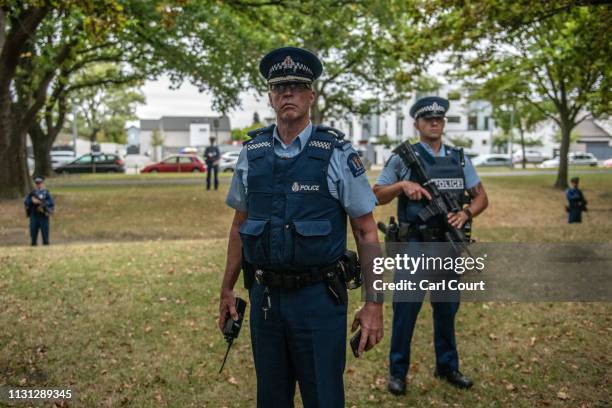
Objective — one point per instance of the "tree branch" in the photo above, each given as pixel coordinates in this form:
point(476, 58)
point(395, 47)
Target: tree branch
point(40, 95)
point(98, 47)
point(544, 112)
point(22, 28)
point(2, 27)
point(104, 81)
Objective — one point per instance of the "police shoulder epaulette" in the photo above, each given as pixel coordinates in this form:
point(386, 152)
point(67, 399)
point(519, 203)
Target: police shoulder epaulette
point(330, 130)
point(343, 144)
point(254, 133)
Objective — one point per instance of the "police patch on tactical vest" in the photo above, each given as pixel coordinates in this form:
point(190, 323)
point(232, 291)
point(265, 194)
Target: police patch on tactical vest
point(449, 183)
point(355, 165)
point(297, 187)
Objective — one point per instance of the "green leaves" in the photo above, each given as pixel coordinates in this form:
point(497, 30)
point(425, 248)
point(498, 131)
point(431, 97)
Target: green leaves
point(106, 97)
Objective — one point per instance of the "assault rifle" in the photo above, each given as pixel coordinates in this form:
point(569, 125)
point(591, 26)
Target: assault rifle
point(42, 208)
point(441, 203)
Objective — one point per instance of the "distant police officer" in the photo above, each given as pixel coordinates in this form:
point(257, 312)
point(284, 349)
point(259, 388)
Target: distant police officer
point(212, 155)
point(39, 206)
point(294, 185)
point(397, 180)
point(576, 202)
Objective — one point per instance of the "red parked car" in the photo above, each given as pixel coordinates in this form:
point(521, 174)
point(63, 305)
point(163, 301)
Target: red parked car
point(179, 163)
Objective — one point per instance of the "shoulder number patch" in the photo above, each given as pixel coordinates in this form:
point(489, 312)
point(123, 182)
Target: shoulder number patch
point(355, 164)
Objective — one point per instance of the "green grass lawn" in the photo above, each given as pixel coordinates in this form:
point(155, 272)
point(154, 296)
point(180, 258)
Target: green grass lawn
point(122, 307)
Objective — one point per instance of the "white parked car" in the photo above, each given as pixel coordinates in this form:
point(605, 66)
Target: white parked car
point(574, 159)
point(531, 156)
point(492, 160)
point(59, 157)
point(229, 160)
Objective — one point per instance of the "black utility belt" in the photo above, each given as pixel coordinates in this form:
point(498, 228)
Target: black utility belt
point(420, 232)
point(296, 279)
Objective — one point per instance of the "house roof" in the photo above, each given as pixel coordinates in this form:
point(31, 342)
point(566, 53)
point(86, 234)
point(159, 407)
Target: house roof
point(589, 131)
point(181, 123)
point(149, 124)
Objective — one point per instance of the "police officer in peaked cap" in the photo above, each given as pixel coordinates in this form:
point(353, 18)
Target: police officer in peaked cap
point(576, 203)
point(39, 205)
point(294, 186)
point(458, 177)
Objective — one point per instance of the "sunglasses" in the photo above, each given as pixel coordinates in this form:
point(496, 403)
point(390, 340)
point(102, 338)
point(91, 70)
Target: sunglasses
point(435, 119)
point(290, 86)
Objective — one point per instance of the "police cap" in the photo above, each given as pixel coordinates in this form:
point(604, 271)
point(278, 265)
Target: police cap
point(290, 64)
point(429, 107)
point(38, 179)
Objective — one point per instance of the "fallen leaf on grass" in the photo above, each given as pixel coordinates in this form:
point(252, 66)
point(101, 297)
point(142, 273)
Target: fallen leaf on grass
point(562, 395)
point(232, 381)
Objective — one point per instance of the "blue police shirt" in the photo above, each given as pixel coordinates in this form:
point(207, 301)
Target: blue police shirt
point(353, 192)
point(395, 169)
point(574, 197)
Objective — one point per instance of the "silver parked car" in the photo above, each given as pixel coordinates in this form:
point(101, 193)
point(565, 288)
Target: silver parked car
point(60, 157)
point(573, 159)
point(229, 160)
point(492, 160)
point(531, 156)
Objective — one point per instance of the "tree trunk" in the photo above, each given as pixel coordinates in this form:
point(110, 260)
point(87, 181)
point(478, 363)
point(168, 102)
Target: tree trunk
point(566, 129)
point(41, 145)
point(524, 158)
point(14, 176)
point(315, 111)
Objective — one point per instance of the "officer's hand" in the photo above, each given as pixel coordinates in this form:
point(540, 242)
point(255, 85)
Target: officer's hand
point(414, 191)
point(370, 318)
point(35, 200)
point(457, 219)
point(227, 307)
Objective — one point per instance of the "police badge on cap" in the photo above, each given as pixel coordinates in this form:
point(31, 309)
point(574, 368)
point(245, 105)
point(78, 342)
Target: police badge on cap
point(290, 64)
point(429, 107)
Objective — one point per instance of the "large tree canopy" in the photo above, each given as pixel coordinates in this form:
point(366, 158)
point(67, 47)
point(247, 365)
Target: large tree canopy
point(548, 55)
point(45, 43)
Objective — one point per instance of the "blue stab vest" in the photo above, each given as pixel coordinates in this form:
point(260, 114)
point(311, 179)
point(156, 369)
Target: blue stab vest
point(446, 172)
point(293, 221)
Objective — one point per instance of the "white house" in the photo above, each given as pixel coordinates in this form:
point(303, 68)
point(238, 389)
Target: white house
point(177, 132)
point(471, 120)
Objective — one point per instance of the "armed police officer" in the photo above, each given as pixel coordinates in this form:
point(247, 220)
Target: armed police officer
point(453, 174)
point(212, 156)
point(294, 185)
point(39, 206)
point(576, 202)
